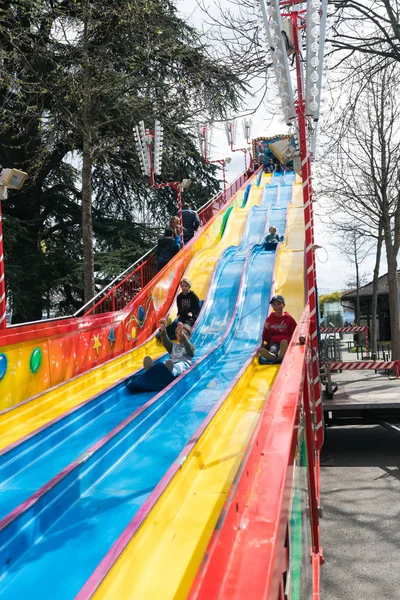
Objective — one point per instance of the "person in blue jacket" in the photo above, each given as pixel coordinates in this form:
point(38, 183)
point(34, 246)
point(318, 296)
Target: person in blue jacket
point(190, 222)
point(167, 247)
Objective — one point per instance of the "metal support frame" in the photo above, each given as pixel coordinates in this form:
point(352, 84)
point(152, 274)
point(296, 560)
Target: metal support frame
point(204, 143)
point(222, 162)
point(294, 112)
point(309, 234)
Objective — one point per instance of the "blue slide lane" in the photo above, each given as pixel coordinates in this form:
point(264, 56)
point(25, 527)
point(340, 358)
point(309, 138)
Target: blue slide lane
point(31, 464)
point(113, 483)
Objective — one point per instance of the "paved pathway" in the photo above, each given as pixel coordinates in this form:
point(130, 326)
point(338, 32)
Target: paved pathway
point(360, 493)
point(365, 387)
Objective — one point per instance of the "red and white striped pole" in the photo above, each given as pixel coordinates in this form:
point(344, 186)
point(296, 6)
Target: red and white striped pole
point(230, 127)
point(3, 304)
point(220, 161)
point(309, 242)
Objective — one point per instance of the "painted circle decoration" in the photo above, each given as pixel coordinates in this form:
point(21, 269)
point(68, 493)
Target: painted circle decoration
point(133, 334)
point(36, 360)
point(3, 365)
point(141, 313)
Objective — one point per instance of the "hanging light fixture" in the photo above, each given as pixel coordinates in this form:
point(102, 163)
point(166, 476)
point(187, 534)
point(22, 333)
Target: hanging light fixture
point(277, 43)
point(246, 123)
point(139, 149)
point(158, 146)
point(145, 140)
point(315, 41)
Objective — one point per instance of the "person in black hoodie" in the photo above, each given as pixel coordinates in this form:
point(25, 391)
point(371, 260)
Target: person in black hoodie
point(167, 247)
point(188, 305)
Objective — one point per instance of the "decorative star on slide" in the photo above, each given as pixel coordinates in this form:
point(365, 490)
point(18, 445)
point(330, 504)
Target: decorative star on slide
point(111, 336)
point(97, 343)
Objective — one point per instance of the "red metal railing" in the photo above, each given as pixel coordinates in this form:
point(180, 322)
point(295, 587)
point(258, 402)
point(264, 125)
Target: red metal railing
point(250, 554)
point(143, 271)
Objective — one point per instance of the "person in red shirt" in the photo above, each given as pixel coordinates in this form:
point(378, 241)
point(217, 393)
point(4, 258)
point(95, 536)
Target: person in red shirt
point(277, 333)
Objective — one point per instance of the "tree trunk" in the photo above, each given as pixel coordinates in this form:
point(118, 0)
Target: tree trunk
point(357, 285)
point(391, 254)
point(393, 303)
point(87, 226)
point(374, 308)
point(26, 259)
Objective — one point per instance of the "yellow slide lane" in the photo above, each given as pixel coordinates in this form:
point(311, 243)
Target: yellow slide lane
point(201, 268)
point(30, 416)
point(289, 274)
point(162, 559)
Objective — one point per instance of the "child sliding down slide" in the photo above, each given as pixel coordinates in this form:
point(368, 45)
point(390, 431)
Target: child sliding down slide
point(158, 375)
point(181, 351)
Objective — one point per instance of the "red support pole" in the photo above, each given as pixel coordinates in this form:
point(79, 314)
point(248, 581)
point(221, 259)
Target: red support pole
point(177, 188)
point(237, 149)
point(309, 239)
point(224, 178)
point(141, 273)
point(3, 304)
point(311, 471)
point(251, 160)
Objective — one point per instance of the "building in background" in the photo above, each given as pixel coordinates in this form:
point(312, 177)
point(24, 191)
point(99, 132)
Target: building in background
point(383, 310)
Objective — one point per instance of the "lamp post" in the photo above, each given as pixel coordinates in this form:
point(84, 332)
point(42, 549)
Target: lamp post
point(223, 162)
point(231, 135)
point(178, 186)
point(247, 130)
point(247, 136)
point(204, 133)
point(151, 163)
point(12, 179)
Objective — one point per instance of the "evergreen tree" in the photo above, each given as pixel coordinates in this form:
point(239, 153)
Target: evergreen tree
point(75, 78)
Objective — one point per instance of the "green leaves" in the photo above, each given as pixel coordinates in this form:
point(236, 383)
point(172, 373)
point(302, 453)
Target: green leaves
point(140, 62)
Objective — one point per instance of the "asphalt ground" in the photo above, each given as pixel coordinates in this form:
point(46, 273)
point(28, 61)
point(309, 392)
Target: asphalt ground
point(360, 496)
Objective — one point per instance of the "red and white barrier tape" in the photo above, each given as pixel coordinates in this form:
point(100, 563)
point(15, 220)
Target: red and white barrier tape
point(349, 329)
point(363, 366)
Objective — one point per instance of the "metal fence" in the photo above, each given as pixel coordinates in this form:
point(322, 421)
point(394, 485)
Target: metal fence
point(383, 351)
point(330, 349)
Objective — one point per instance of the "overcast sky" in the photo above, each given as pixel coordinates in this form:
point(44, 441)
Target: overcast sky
point(333, 270)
